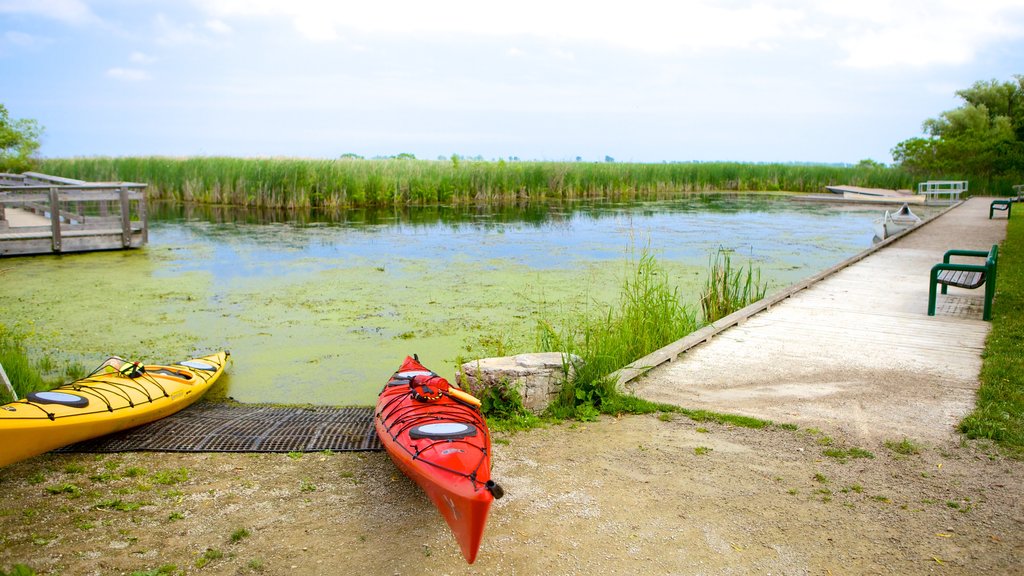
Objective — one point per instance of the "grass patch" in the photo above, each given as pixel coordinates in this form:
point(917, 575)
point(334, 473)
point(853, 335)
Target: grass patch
point(239, 535)
point(170, 477)
point(19, 570)
point(118, 504)
point(847, 454)
point(999, 412)
point(208, 556)
point(905, 447)
point(69, 490)
point(161, 571)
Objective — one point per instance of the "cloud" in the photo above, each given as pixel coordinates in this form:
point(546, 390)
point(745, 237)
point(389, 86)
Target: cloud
point(647, 25)
point(68, 11)
point(883, 33)
point(141, 58)
point(862, 33)
point(24, 40)
point(128, 74)
point(218, 26)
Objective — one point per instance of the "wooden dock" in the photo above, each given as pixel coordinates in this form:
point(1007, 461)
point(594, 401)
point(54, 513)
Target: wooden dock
point(850, 351)
point(42, 214)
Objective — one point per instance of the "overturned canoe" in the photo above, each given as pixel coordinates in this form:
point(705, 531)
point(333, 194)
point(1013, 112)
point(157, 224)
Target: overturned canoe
point(437, 436)
point(111, 399)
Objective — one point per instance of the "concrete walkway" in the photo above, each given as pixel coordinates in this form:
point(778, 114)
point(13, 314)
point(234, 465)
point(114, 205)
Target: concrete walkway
point(855, 354)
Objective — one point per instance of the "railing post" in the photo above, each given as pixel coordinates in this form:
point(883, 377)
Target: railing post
point(144, 215)
point(126, 219)
point(55, 219)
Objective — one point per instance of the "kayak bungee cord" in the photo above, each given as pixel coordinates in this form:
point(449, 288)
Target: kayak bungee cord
point(423, 412)
point(140, 380)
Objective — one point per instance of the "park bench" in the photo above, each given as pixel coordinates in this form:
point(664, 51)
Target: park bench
point(965, 276)
point(1006, 204)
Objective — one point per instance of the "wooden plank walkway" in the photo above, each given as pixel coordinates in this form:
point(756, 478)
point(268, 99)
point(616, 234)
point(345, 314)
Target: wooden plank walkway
point(854, 354)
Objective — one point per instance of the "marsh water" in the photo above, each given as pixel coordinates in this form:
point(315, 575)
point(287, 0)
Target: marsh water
point(321, 308)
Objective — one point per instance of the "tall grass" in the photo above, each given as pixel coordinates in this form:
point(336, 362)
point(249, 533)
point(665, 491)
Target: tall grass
point(649, 315)
point(999, 410)
point(727, 289)
point(23, 374)
point(303, 183)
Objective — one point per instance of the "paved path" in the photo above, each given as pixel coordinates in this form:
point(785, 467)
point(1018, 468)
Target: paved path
point(856, 353)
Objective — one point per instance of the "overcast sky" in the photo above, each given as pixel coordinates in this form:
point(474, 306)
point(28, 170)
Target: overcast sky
point(637, 80)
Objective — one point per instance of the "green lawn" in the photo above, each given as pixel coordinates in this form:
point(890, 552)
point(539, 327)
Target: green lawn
point(999, 414)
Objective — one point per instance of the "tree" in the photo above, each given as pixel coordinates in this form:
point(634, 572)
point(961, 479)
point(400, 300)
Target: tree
point(19, 142)
point(982, 138)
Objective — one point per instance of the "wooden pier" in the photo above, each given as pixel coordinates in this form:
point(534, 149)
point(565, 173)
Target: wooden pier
point(42, 214)
point(850, 350)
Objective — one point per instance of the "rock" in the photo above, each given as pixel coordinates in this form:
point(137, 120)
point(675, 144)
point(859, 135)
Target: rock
point(538, 377)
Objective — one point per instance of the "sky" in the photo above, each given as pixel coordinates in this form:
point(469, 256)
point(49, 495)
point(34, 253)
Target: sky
point(832, 81)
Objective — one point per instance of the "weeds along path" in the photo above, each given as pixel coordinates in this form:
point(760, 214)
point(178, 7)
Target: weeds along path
point(856, 353)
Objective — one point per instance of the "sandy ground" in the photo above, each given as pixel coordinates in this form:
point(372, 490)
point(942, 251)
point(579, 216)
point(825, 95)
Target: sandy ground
point(630, 495)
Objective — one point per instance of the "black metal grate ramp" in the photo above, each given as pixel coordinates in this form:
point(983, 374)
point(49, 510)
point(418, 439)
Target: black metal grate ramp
point(214, 427)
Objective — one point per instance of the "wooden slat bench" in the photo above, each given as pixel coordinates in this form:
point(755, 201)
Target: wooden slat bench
point(969, 276)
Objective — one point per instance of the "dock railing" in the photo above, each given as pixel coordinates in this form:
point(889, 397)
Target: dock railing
point(42, 214)
point(942, 192)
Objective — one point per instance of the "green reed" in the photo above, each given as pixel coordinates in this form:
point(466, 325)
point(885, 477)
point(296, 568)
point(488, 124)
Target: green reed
point(649, 315)
point(20, 370)
point(729, 289)
point(305, 183)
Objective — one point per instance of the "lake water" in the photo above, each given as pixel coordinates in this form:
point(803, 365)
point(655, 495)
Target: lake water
point(321, 309)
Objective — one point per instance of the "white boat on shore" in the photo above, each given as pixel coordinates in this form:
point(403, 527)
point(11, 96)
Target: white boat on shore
point(896, 222)
point(875, 194)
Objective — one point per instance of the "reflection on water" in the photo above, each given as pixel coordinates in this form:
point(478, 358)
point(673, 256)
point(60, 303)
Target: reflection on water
point(322, 307)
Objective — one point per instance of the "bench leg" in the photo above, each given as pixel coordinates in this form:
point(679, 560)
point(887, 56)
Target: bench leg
point(931, 294)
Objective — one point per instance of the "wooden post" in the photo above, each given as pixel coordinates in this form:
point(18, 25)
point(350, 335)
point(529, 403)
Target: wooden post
point(55, 218)
point(7, 383)
point(144, 216)
point(126, 219)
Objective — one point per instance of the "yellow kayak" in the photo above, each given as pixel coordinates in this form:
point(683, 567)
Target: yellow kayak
point(116, 397)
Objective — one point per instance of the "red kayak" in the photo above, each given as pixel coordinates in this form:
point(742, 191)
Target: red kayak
point(437, 436)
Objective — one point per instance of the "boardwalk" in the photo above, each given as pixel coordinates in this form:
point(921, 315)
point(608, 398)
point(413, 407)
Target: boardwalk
point(856, 353)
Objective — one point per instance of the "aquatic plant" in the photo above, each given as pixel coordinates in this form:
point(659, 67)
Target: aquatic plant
point(727, 289)
point(649, 315)
point(304, 183)
point(22, 373)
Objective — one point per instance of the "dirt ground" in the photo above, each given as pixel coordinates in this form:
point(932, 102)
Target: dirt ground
point(629, 495)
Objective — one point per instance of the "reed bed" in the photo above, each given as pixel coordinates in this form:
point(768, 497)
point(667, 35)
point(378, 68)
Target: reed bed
point(309, 183)
point(728, 289)
point(649, 315)
point(23, 374)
